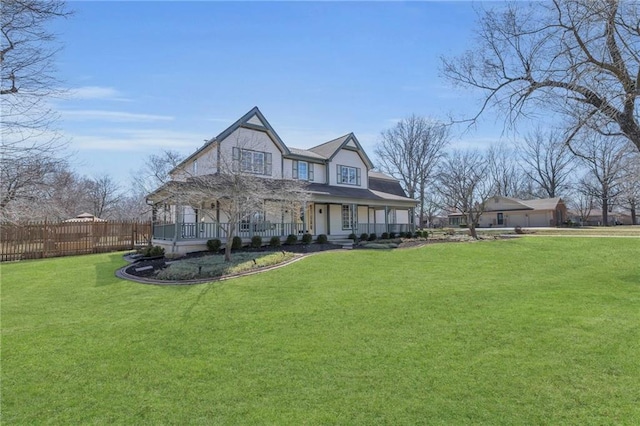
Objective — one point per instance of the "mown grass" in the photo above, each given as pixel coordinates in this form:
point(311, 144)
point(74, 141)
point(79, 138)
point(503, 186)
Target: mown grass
point(214, 265)
point(527, 331)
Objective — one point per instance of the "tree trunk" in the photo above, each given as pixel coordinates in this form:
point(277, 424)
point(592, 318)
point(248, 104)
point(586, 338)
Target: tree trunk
point(471, 223)
point(634, 220)
point(605, 211)
point(227, 247)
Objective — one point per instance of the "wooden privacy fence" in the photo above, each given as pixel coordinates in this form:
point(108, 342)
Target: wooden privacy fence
point(46, 239)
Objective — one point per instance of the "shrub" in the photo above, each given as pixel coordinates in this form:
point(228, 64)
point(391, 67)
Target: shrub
point(392, 235)
point(322, 239)
point(236, 243)
point(256, 241)
point(307, 238)
point(152, 251)
point(373, 236)
point(449, 231)
point(214, 245)
point(292, 239)
point(518, 230)
point(364, 236)
point(352, 236)
point(384, 236)
point(275, 242)
point(417, 234)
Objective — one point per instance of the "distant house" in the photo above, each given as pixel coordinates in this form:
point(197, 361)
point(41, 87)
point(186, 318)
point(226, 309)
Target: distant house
point(86, 217)
point(594, 218)
point(502, 212)
point(345, 195)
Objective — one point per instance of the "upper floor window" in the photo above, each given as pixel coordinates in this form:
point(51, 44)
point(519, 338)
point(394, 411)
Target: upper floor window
point(256, 162)
point(302, 170)
point(348, 175)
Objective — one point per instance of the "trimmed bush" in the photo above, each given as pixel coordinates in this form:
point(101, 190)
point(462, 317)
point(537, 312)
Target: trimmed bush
point(275, 242)
point(153, 251)
point(256, 241)
point(417, 234)
point(307, 238)
point(236, 243)
point(292, 239)
point(364, 237)
point(214, 245)
point(384, 236)
point(322, 239)
point(392, 235)
point(352, 236)
point(373, 236)
point(449, 231)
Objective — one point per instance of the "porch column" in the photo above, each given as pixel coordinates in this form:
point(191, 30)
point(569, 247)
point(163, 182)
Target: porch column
point(354, 219)
point(304, 218)
point(386, 219)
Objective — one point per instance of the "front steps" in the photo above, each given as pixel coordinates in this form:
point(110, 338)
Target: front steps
point(346, 243)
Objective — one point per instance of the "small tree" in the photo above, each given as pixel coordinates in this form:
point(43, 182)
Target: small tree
point(465, 186)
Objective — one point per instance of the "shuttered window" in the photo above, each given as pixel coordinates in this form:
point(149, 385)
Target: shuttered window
point(249, 161)
point(348, 175)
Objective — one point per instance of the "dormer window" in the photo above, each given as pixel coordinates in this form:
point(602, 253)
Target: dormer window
point(302, 170)
point(348, 175)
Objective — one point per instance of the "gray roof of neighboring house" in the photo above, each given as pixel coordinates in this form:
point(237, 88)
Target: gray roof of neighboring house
point(542, 204)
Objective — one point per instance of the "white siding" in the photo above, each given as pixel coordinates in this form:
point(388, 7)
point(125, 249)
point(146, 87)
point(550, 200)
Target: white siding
point(351, 159)
point(363, 214)
point(253, 140)
point(255, 120)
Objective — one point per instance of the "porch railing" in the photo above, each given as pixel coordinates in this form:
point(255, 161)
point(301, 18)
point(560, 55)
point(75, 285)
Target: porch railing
point(211, 230)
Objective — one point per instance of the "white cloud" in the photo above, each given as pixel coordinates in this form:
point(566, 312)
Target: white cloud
point(97, 92)
point(142, 140)
point(112, 116)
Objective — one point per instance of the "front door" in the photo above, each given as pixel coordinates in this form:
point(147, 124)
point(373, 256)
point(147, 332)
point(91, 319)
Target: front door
point(500, 219)
point(321, 215)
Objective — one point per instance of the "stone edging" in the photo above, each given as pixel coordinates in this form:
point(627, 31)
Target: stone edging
point(122, 274)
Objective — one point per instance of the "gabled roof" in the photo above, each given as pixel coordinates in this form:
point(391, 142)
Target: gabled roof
point(543, 203)
point(306, 153)
point(254, 119)
point(331, 148)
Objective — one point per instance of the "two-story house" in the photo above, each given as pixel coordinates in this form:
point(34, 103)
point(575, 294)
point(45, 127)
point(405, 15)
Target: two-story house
point(344, 194)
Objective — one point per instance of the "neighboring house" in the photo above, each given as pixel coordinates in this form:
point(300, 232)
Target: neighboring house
point(345, 195)
point(595, 218)
point(510, 212)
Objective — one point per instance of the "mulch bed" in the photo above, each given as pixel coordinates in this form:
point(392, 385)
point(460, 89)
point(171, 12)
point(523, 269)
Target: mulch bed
point(147, 268)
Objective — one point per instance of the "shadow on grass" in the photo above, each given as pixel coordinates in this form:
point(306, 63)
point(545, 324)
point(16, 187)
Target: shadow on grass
point(204, 290)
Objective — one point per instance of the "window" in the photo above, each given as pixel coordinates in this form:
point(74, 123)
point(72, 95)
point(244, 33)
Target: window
point(348, 175)
point(348, 216)
point(195, 167)
point(302, 170)
point(256, 162)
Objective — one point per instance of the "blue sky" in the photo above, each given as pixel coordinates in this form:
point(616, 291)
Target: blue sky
point(148, 76)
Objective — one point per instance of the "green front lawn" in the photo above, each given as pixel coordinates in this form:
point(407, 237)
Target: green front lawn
point(526, 331)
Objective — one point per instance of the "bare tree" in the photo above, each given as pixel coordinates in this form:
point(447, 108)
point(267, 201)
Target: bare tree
point(506, 175)
point(465, 186)
point(30, 145)
point(605, 163)
point(104, 195)
point(155, 171)
point(630, 187)
point(577, 58)
point(240, 187)
point(582, 201)
point(547, 161)
point(411, 151)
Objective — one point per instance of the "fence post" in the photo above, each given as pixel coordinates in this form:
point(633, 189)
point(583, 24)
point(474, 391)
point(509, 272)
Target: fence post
point(45, 239)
